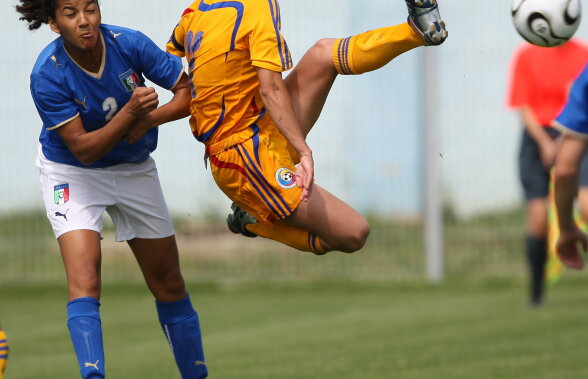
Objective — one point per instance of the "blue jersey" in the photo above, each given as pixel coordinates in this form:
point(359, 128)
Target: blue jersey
point(62, 90)
point(574, 117)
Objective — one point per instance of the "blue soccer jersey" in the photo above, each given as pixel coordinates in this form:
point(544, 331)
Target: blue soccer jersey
point(574, 117)
point(62, 90)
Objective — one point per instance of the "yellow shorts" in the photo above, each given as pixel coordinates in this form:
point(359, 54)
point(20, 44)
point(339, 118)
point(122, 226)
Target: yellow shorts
point(258, 174)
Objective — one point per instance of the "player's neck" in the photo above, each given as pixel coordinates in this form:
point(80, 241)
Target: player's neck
point(89, 59)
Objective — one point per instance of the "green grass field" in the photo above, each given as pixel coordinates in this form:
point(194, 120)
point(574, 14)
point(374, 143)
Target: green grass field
point(461, 329)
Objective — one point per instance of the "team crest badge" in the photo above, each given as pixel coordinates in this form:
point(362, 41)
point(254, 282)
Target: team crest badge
point(286, 178)
point(61, 194)
point(130, 80)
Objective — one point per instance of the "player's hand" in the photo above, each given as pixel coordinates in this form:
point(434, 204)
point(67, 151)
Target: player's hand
point(567, 247)
point(305, 175)
point(143, 100)
point(548, 152)
point(139, 128)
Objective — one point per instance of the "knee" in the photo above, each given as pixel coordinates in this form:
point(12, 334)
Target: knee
point(357, 239)
point(84, 286)
point(323, 50)
point(168, 285)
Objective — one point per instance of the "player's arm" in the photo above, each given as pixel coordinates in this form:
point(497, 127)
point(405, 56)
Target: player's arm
point(566, 179)
point(566, 186)
point(178, 107)
point(277, 100)
point(88, 147)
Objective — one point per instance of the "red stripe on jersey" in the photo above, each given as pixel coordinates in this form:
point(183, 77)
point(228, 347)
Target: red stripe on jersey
point(188, 10)
point(254, 106)
point(220, 164)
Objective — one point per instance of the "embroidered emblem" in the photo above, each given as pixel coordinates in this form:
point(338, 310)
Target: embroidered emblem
point(61, 194)
point(285, 178)
point(130, 80)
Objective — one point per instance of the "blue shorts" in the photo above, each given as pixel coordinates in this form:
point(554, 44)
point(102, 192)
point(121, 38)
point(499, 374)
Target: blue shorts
point(534, 176)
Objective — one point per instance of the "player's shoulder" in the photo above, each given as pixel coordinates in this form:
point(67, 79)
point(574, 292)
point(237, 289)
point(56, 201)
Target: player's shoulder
point(121, 34)
point(523, 51)
point(52, 61)
point(576, 43)
point(262, 4)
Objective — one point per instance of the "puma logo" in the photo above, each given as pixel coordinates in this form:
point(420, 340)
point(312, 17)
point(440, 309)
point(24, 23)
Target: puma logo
point(54, 59)
point(64, 215)
point(95, 365)
point(199, 363)
point(114, 35)
point(82, 102)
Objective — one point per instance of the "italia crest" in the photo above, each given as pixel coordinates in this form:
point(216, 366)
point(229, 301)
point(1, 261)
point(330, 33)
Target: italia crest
point(286, 178)
point(130, 80)
point(61, 194)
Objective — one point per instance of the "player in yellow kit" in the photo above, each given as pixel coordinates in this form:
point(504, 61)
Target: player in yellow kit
point(254, 123)
point(3, 352)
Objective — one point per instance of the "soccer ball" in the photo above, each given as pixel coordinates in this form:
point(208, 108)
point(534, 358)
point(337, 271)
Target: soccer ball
point(546, 23)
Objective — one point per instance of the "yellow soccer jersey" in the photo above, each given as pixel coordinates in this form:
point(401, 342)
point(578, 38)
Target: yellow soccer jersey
point(224, 42)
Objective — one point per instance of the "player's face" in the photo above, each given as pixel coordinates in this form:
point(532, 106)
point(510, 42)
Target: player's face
point(78, 22)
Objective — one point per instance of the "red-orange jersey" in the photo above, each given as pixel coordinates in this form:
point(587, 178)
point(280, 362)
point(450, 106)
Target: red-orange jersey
point(224, 42)
point(541, 77)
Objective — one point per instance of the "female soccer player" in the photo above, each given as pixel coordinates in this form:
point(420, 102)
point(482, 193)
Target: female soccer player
point(99, 128)
point(3, 352)
point(254, 124)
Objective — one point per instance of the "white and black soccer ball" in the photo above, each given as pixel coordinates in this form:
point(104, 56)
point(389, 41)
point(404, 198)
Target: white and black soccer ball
point(546, 23)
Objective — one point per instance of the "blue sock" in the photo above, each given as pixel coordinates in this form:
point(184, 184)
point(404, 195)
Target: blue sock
point(85, 329)
point(180, 324)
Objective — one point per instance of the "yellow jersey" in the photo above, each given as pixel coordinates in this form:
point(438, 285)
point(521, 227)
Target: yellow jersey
point(224, 42)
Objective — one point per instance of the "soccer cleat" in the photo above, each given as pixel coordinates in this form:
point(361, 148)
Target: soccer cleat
point(237, 220)
point(425, 20)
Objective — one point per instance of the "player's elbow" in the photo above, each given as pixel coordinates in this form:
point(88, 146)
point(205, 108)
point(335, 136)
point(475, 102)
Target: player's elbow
point(268, 90)
point(270, 83)
point(85, 157)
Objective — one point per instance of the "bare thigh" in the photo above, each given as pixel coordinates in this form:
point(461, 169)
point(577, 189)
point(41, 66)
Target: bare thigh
point(339, 226)
point(81, 254)
point(310, 82)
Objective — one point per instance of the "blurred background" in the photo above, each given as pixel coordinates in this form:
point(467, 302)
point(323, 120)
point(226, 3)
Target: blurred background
point(369, 147)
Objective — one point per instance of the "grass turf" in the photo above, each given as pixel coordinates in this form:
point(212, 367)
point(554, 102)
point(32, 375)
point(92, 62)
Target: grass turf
point(462, 329)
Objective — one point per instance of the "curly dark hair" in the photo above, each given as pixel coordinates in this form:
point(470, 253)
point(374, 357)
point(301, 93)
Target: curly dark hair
point(36, 12)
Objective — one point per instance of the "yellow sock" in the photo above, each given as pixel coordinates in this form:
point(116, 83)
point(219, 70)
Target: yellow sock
point(3, 352)
point(288, 235)
point(373, 49)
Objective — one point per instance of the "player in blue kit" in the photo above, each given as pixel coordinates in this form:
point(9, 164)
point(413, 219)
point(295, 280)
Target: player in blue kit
point(573, 123)
point(99, 128)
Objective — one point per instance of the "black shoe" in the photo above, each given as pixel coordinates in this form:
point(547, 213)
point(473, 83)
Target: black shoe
point(237, 220)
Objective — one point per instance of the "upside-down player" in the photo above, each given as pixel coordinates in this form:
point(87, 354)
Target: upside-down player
point(254, 123)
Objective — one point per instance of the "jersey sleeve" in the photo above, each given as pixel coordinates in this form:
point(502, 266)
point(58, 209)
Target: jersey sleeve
point(160, 67)
point(54, 104)
point(267, 46)
point(520, 83)
point(573, 119)
point(175, 45)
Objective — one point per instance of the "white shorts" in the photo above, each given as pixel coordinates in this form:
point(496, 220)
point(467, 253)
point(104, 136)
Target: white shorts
point(76, 198)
